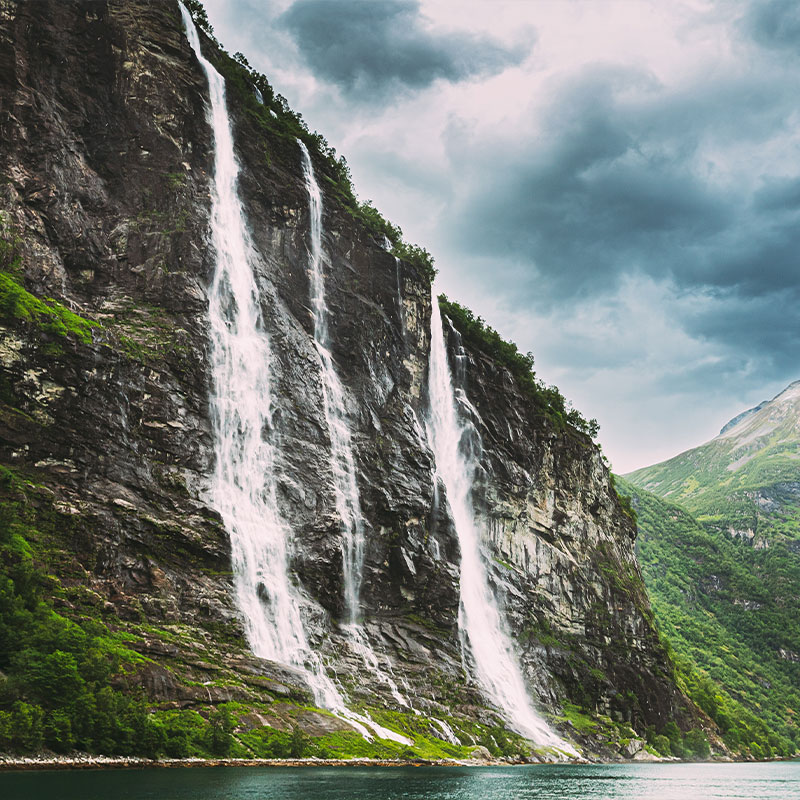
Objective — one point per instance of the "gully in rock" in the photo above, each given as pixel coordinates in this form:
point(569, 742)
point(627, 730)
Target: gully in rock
point(485, 642)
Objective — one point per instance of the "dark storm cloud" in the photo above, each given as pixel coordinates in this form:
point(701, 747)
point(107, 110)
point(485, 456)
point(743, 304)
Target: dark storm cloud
point(370, 49)
point(774, 23)
point(617, 183)
point(605, 190)
point(757, 336)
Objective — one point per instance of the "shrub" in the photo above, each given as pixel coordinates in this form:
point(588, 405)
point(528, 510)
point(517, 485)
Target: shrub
point(696, 743)
point(661, 743)
point(547, 399)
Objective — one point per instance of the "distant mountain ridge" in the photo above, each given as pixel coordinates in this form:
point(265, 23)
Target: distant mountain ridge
point(749, 474)
point(739, 417)
point(721, 561)
point(781, 405)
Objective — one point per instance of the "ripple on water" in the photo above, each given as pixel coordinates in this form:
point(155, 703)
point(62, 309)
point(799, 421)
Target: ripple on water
point(778, 781)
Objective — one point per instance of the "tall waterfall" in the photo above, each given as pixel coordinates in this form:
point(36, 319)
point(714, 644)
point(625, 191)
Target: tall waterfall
point(343, 467)
point(480, 623)
point(243, 484)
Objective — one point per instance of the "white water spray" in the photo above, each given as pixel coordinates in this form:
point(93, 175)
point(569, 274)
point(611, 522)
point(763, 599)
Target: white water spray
point(343, 467)
point(243, 485)
point(447, 733)
point(480, 623)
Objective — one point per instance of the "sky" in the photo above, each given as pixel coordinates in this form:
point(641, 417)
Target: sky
point(614, 186)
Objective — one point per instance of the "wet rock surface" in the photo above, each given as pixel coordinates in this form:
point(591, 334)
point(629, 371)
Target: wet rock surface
point(105, 162)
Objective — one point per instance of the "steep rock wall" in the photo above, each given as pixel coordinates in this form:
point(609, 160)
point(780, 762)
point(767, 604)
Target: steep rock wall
point(106, 162)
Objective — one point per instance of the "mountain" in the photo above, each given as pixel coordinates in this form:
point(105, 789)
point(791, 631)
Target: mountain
point(745, 481)
point(739, 417)
point(222, 528)
point(720, 552)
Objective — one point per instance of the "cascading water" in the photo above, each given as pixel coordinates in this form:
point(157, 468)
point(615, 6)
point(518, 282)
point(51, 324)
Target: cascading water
point(480, 623)
point(343, 468)
point(243, 488)
point(243, 485)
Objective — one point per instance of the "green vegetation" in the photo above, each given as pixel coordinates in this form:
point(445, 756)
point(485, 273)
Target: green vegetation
point(56, 672)
point(723, 572)
point(278, 122)
point(16, 303)
point(729, 612)
point(624, 500)
point(670, 741)
point(547, 399)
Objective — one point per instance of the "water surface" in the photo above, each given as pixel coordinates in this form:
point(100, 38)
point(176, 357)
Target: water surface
point(779, 781)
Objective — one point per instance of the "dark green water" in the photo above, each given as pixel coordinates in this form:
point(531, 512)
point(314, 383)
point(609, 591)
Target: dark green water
point(608, 782)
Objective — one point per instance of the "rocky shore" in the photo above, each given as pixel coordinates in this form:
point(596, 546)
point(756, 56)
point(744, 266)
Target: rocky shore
point(86, 761)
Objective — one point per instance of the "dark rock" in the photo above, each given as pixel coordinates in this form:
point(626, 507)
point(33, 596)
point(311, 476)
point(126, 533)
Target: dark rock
point(106, 158)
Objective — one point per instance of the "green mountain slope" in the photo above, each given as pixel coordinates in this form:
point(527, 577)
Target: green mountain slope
point(746, 481)
point(719, 545)
point(713, 598)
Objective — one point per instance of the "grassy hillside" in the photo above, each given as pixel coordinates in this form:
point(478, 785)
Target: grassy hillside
point(730, 613)
point(746, 481)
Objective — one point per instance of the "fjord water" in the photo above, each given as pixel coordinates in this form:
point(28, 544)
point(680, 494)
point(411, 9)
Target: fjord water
point(777, 781)
point(243, 484)
point(481, 625)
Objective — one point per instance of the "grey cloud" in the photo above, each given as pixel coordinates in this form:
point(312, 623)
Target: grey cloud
point(618, 186)
point(371, 49)
point(774, 23)
point(739, 319)
point(782, 194)
point(761, 336)
point(602, 194)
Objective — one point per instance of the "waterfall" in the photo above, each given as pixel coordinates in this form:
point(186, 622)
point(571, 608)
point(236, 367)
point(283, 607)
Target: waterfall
point(342, 461)
point(447, 733)
point(243, 483)
point(481, 626)
point(343, 468)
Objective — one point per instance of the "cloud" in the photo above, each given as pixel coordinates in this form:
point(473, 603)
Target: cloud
point(760, 334)
point(774, 24)
point(371, 50)
point(618, 176)
point(600, 191)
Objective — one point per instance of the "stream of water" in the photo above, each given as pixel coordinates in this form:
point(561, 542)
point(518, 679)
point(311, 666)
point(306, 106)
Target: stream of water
point(243, 483)
point(342, 460)
point(486, 644)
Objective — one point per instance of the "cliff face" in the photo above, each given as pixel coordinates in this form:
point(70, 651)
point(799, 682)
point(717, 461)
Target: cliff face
point(105, 160)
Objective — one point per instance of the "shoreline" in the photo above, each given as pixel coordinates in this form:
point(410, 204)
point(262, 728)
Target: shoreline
point(92, 762)
point(87, 762)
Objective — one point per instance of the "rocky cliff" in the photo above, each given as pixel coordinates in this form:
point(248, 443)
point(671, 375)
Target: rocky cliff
point(104, 421)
